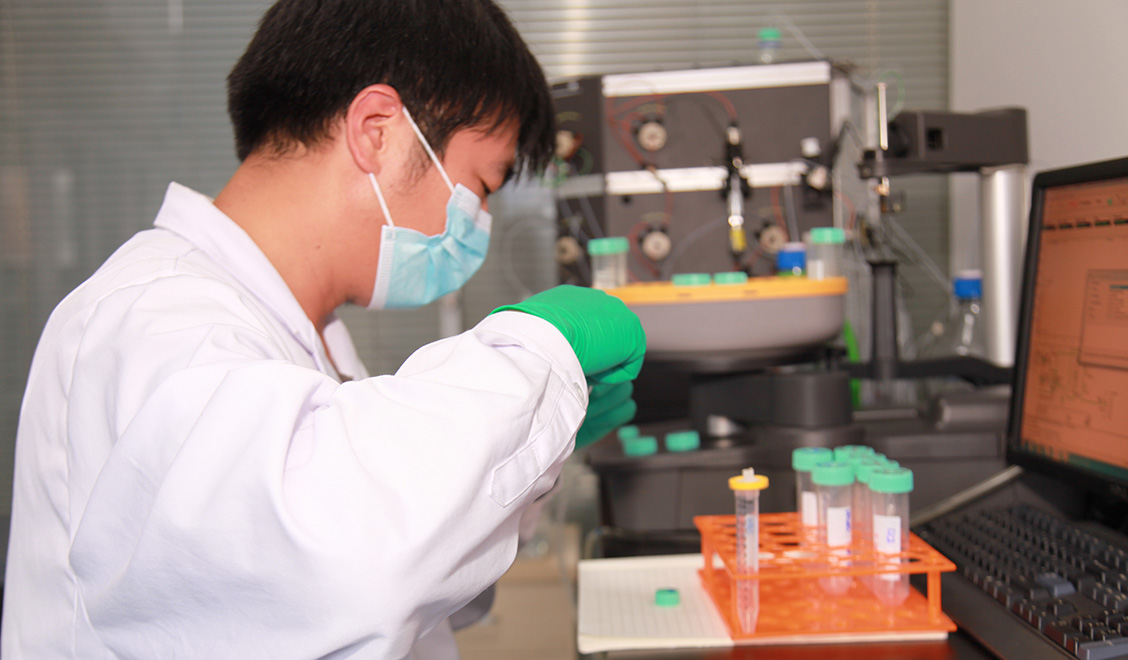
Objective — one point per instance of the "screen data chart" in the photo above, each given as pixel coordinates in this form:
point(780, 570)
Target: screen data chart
point(1075, 404)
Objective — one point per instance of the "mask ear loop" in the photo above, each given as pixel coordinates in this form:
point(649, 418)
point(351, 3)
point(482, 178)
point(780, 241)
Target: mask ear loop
point(380, 196)
point(430, 152)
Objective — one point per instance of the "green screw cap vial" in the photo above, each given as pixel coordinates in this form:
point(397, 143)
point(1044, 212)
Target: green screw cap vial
point(833, 473)
point(804, 459)
point(604, 246)
point(845, 451)
point(891, 480)
point(865, 466)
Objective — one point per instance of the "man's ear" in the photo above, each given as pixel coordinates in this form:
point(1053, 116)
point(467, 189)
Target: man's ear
point(366, 125)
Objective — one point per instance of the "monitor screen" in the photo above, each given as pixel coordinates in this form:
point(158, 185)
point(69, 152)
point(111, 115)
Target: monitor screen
point(1071, 403)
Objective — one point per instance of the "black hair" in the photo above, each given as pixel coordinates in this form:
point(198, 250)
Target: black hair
point(455, 63)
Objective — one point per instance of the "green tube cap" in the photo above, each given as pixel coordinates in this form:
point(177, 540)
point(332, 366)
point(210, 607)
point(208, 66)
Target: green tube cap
point(804, 459)
point(827, 236)
point(683, 441)
point(667, 597)
point(865, 466)
point(691, 279)
point(891, 480)
point(628, 431)
point(730, 277)
point(604, 246)
point(845, 451)
point(833, 473)
point(640, 446)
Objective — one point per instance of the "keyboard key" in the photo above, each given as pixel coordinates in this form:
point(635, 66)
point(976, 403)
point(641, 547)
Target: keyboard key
point(1061, 608)
point(1074, 640)
point(1102, 650)
point(1100, 570)
point(1058, 631)
point(1089, 626)
point(1057, 585)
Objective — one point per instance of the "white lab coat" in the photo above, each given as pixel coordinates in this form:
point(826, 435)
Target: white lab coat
point(193, 479)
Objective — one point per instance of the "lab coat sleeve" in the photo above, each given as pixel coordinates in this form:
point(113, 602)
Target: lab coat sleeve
point(254, 508)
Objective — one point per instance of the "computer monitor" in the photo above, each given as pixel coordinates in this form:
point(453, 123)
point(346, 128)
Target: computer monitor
point(1069, 408)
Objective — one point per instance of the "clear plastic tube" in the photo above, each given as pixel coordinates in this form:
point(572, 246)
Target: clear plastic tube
point(746, 490)
point(889, 497)
point(803, 460)
point(834, 485)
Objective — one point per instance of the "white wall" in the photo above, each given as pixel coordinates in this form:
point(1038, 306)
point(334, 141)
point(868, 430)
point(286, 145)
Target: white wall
point(1066, 62)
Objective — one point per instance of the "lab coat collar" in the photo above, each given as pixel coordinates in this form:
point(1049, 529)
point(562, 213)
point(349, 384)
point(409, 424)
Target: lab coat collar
point(195, 218)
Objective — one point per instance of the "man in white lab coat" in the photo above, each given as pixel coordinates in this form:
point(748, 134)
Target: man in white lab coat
point(205, 470)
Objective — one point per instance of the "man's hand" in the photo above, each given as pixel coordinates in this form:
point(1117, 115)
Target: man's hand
point(609, 342)
point(609, 407)
point(605, 334)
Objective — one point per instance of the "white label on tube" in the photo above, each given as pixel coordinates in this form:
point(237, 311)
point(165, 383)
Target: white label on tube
point(837, 526)
point(887, 539)
point(809, 509)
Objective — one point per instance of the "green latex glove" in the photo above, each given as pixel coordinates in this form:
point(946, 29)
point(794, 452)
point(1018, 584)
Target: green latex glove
point(605, 334)
point(609, 407)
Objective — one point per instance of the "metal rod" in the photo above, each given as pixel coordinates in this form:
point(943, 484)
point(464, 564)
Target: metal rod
point(1002, 201)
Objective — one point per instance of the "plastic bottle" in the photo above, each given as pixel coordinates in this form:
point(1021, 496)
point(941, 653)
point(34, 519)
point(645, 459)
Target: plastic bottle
point(863, 505)
point(961, 333)
point(862, 525)
point(608, 262)
point(791, 260)
point(964, 336)
point(889, 496)
point(746, 488)
point(769, 42)
point(803, 460)
point(825, 247)
point(834, 487)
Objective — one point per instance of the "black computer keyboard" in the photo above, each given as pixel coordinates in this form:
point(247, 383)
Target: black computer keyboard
point(1039, 577)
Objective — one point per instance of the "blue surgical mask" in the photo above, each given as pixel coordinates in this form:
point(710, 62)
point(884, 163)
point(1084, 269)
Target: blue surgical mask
point(416, 269)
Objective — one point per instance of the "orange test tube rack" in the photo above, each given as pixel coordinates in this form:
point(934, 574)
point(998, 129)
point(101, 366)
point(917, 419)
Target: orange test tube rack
point(793, 607)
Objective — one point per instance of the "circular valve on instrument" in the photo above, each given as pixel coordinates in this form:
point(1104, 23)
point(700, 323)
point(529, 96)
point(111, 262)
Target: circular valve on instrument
point(652, 136)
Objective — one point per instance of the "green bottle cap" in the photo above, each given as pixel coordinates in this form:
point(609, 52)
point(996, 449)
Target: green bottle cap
point(683, 441)
point(891, 480)
point(827, 236)
point(628, 431)
point(769, 34)
point(641, 446)
point(833, 473)
point(841, 453)
point(865, 466)
point(667, 597)
point(691, 279)
point(598, 247)
point(805, 458)
point(730, 277)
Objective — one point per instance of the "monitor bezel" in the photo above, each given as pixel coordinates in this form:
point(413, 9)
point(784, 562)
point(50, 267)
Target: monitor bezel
point(1101, 484)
